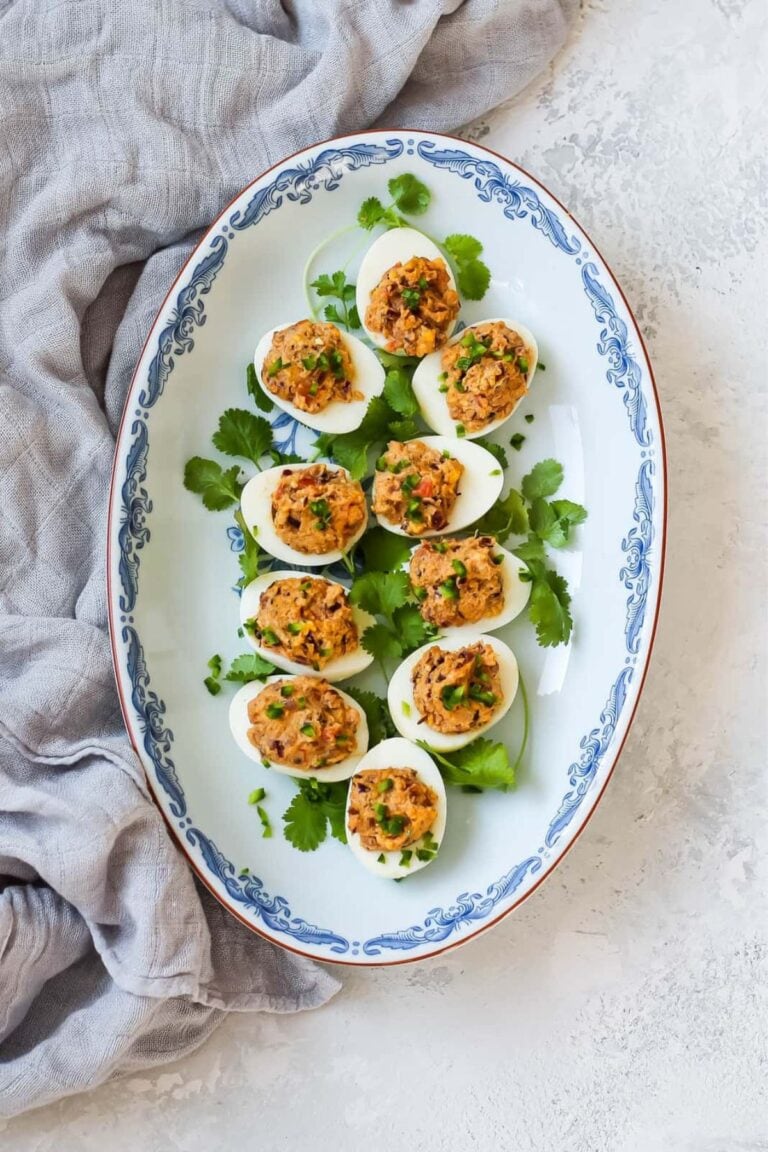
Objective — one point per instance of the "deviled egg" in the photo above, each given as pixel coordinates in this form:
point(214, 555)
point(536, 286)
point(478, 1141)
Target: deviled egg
point(406, 293)
point(306, 514)
point(321, 376)
point(478, 379)
point(431, 485)
point(396, 809)
point(448, 692)
point(301, 726)
point(305, 624)
point(472, 583)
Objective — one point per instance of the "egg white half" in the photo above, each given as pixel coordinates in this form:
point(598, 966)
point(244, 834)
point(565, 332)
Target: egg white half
point(516, 594)
point(433, 403)
point(239, 725)
point(397, 246)
point(408, 720)
point(256, 506)
point(399, 753)
point(340, 668)
point(339, 416)
point(479, 487)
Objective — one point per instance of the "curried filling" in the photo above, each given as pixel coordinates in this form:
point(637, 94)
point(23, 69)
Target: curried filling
point(390, 808)
point(302, 722)
point(416, 486)
point(308, 365)
point(457, 691)
point(306, 619)
point(485, 375)
point(457, 581)
point(317, 509)
point(413, 306)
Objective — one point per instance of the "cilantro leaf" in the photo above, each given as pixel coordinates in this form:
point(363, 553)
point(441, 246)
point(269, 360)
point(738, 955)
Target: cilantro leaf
point(569, 513)
point(532, 549)
point(507, 517)
point(381, 642)
point(398, 392)
point(412, 629)
point(250, 666)
point(409, 194)
point(208, 479)
point(462, 247)
point(473, 279)
point(336, 285)
point(304, 823)
point(248, 559)
point(392, 360)
point(384, 551)
point(315, 806)
point(545, 524)
point(549, 606)
point(380, 593)
point(240, 433)
point(544, 479)
point(495, 450)
point(472, 275)
point(255, 390)
point(350, 449)
point(380, 725)
point(373, 212)
point(481, 764)
point(402, 429)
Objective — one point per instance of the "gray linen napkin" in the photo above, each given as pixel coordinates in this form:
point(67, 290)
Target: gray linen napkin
point(124, 128)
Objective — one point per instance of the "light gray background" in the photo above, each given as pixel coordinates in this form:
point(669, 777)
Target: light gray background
point(624, 1008)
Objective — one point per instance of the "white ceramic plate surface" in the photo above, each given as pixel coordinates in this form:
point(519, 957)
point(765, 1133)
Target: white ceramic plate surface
point(172, 567)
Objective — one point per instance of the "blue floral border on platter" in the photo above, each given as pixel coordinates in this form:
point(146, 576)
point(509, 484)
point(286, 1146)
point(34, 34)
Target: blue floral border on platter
point(298, 183)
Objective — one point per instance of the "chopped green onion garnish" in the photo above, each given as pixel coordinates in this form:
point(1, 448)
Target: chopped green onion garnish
point(308, 730)
point(275, 711)
point(385, 785)
point(265, 824)
point(530, 417)
point(286, 690)
point(405, 858)
point(257, 795)
point(459, 568)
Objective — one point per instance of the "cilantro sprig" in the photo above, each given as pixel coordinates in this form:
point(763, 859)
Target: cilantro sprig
point(243, 669)
point(472, 275)
point(335, 286)
point(484, 764)
point(240, 433)
point(314, 809)
point(400, 627)
point(408, 194)
point(382, 422)
point(545, 523)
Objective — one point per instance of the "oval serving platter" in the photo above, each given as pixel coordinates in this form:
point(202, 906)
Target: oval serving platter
point(172, 567)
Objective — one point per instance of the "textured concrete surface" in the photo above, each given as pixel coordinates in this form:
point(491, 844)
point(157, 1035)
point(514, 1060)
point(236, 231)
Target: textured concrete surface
point(624, 1008)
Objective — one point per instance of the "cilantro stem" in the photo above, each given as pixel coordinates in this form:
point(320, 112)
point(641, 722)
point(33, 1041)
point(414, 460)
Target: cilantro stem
point(348, 560)
point(310, 261)
point(526, 724)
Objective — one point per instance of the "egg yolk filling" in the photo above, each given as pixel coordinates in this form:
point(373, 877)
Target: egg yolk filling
point(317, 509)
point(413, 306)
point(485, 375)
point(457, 581)
point(416, 486)
point(457, 691)
point(309, 366)
point(306, 619)
point(303, 723)
point(390, 809)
